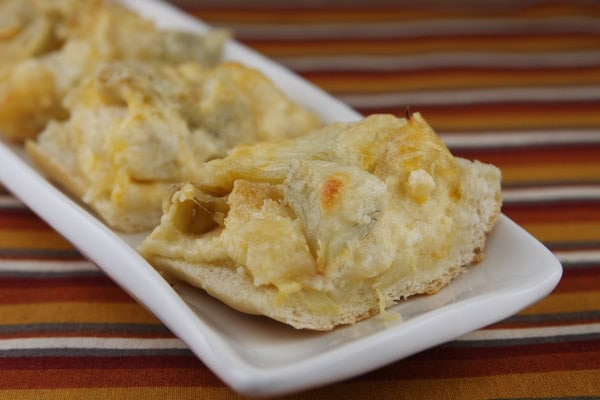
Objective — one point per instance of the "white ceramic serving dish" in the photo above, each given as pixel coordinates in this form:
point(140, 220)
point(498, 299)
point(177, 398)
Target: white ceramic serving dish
point(260, 357)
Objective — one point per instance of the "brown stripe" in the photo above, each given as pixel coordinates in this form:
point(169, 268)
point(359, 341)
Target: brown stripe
point(448, 78)
point(40, 254)
point(541, 324)
point(326, 12)
point(417, 45)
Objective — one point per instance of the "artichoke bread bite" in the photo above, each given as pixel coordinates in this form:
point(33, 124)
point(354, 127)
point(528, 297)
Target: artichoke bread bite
point(134, 128)
point(48, 46)
point(328, 228)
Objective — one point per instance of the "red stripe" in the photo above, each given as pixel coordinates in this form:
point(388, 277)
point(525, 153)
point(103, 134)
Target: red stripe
point(580, 279)
point(481, 365)
point(580, 211)
point(441, 362)
point(21, 219)
point(46, 255)
point(128, 362)
point(38, 290)
point(41, 282)
point(73, 372)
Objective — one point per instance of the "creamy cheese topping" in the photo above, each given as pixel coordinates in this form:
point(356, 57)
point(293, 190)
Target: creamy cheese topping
point(348, 204)
point(135, 128)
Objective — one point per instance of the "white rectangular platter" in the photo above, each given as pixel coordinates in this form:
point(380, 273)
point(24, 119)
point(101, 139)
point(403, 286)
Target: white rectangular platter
point(260, 357)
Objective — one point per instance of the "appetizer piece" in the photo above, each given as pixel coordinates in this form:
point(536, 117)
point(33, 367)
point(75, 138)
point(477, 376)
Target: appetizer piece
point(48, 47)
point(134, 128)
point(329, 228)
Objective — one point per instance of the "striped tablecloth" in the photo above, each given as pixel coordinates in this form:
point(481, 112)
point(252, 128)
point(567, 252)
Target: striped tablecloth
point(514, 83)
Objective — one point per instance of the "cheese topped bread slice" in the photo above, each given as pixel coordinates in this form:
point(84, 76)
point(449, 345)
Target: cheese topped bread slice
point(134, 128)
point(329, 228)
point(48, 47)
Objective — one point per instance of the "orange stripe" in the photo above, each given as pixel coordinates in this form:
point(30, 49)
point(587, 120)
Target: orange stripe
point(528, 385)
point(75, 312)
point(564, 231)
point(470, 118)
point(565, 303)
point(27, 239)
point(550, 173)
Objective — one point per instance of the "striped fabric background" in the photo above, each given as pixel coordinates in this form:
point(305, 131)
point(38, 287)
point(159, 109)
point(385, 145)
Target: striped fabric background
point(514, 83)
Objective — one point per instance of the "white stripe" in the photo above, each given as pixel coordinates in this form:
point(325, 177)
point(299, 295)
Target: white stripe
point(520, 138)
point(516, 333)
point(8, 201)
point(591, 192)
point(578, 256)
point(46, 266)
point(442, 60)
point(91, 343)
point(470, 96)
point(411, 29)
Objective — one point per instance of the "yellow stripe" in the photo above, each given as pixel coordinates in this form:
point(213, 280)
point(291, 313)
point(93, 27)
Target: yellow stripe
point(565, 302)
point(28, 239)
point(565, 231)
point(549, 384)
point(550, 173)
point(75, 312)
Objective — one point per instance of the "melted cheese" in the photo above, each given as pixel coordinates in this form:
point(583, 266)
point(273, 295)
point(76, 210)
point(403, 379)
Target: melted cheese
point(349, 204)
point(135, 128)
point(49, 47)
